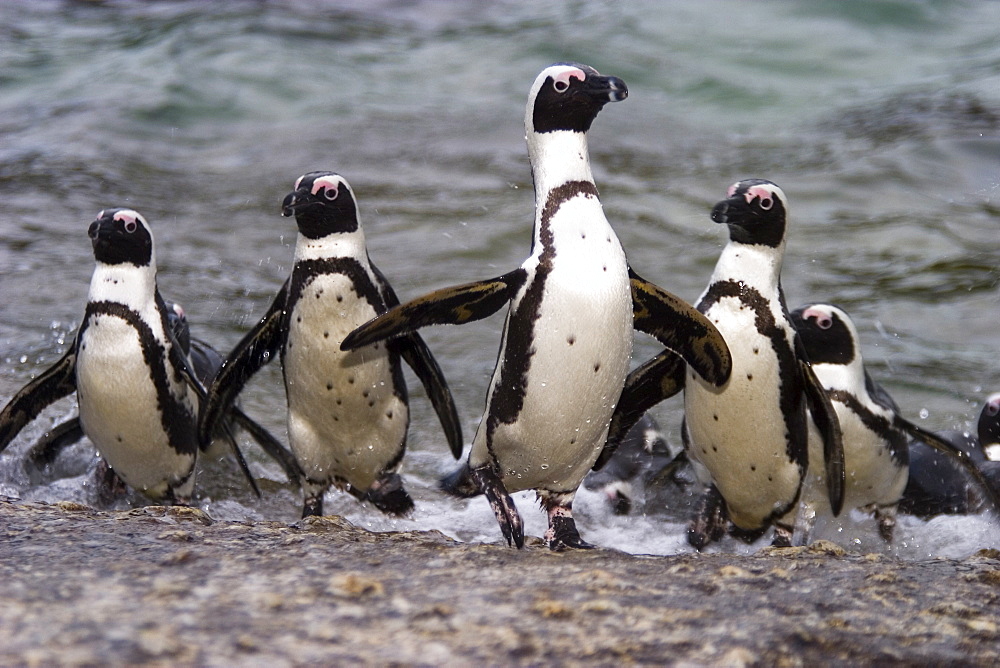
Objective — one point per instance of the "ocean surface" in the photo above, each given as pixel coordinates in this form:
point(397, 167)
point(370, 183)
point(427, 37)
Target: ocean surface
point(879, 119)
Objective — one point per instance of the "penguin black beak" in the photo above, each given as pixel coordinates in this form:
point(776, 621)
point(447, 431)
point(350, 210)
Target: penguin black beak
point(296, 200)
point(606, 89)
point(731, 211)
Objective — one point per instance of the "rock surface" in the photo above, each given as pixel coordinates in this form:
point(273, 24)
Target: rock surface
point(168, 586)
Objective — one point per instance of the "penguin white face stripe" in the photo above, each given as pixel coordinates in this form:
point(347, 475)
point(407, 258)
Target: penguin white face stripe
point(130, 218)
point(329, 184)
point(562, 76)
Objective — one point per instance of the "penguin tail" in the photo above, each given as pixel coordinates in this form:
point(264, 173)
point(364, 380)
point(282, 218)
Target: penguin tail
point(460, 483)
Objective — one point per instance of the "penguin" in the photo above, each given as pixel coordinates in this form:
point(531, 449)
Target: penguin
point(204, 361)
point(567, 338)
point(348, 413)
point(937, 486)
point(643, 456)
point(747, 440)
point(137, 396)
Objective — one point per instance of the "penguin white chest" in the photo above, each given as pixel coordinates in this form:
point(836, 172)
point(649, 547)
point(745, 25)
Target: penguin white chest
point(739, 432)
point(346, 419)
point(578, 356)
point(120, 408)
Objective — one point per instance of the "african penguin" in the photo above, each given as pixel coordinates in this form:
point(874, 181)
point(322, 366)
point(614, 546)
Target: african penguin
point(567, 339)
point(876, 457)
point(748, 439)
point(136, 394)
point(937, 485)
point(348, 413)
point(627, 478)
point(204, 362)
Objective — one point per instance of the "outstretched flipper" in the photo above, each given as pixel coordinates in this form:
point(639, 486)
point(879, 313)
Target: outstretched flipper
point(655, 380)
point(681, 328)
point(503, 506)
point(54, 441)
point(447, 306)
point(53, 384)
point(824, 415)
point(963, 459)
point(261, 345)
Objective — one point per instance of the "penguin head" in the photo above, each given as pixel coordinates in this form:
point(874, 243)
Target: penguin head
point(177, 320)
point(121, 236)
point(568, 96)
point(323, 204)
point(989, 423)
point(755, 211)
point(827, 334)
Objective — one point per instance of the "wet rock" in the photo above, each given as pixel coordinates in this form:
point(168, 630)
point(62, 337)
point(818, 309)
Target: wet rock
point(167, 586)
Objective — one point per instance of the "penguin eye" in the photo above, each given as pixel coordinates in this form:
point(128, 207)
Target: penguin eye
point(993, 408)
point(560, 85)
point(130, 226)
point(330, 193)
point(824, 322)
point(766, 203)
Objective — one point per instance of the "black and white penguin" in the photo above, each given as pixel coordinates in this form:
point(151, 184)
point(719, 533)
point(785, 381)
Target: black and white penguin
point(567, 339)
point(348, 413)
point(938, 485)
point(876, 456)
point(137, 396)
point(204, 362)
point(629, 476)
point(748, 440)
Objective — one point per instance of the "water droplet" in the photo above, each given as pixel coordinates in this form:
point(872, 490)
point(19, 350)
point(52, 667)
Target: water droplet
point(924, 413)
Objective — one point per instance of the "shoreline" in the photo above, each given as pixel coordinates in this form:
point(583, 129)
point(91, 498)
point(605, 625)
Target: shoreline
point(167, 586)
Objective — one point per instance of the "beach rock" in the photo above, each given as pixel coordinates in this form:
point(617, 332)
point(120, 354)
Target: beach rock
point(168, 586)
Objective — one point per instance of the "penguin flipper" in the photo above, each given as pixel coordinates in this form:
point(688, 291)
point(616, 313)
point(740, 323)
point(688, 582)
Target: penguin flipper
point(53, 384)
point(54, 441)
point(258, 347)
point(655, 380)
point(681, 328)
point(416, 353)
point(990, 493)
point(270, 445)
point(825, 417)
point(447, 306)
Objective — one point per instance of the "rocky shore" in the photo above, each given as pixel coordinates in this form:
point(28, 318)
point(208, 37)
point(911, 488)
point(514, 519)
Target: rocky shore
point(170, 586)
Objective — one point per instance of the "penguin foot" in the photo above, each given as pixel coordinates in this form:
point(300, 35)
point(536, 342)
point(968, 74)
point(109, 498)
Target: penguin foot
point(886, 518)
point(503, 506)
point(387, 494)
point(312, 505)
point(562, 533)
point(460, 483)
point(709, 522)
point(110, 487)
point(782, 536)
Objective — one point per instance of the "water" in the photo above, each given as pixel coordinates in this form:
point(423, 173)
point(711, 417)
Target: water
point(879, 120)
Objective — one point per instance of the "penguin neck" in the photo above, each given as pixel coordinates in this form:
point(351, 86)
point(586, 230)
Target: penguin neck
point(557, 158)
point(757, 266)
point(125, 284)
point(847, 377)
point(338, 244)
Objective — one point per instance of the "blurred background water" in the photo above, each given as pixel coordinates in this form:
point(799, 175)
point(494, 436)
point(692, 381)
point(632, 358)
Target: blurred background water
point(878, 118)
